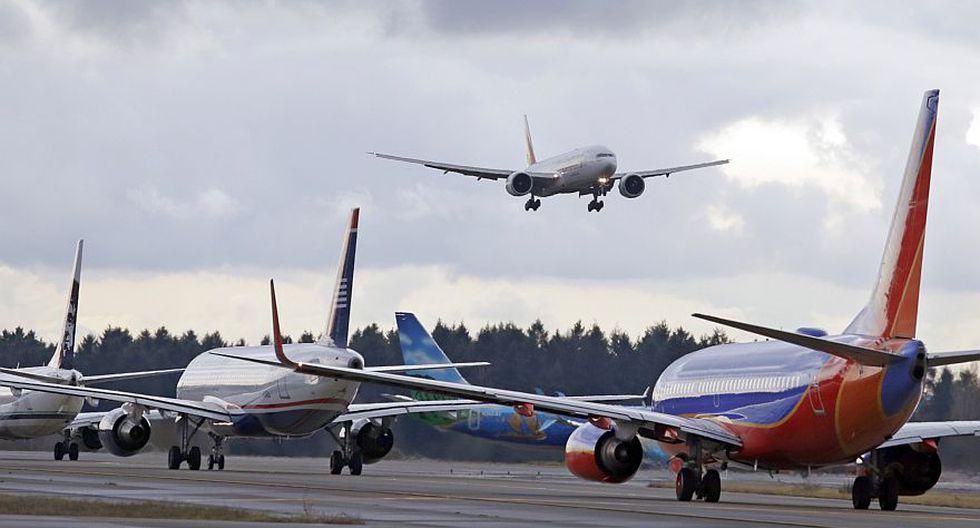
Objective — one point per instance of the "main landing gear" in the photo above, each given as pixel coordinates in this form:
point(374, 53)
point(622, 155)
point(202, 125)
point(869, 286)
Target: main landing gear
point(532, 204)
point(348, 454)
point(693, 481)
point(185, 452)
point(66, 448)
point(217, 456)
point(874, 484)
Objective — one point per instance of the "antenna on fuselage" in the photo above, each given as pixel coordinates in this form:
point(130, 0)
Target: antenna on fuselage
point(338, 322)
point(531, 159)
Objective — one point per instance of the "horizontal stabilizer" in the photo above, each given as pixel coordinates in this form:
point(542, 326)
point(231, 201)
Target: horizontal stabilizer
point(434, 366)
point(862, 355)
point(938, 359)
point(31, 375)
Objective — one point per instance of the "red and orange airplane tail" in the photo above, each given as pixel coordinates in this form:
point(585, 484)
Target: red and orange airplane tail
point(894, 303)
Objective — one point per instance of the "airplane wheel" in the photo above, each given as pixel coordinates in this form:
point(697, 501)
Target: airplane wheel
point(598, 206)
point(59, 451)
point(861, 493)
point(888, 494)
point(210, 462)
point(194, 458)
point(336, 463)
point(73, 451)
point(711, 486)
point(685, 484)
point(356, 464)
point(537, 203)
point(221, 462)
point(591, 206)
point(174, 458)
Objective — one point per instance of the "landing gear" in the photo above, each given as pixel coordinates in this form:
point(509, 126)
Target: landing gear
point(693, 481)
point(596, 205)
point(876, 483)
point(67, 447)
point(348, 454)
point(217, 456)
point(532, 204)
point(185, 452)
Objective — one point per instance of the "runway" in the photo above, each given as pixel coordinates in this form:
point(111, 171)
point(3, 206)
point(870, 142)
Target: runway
point(427, 493)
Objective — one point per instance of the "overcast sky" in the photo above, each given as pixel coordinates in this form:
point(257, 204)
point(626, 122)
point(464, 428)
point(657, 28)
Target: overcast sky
point(201, 148)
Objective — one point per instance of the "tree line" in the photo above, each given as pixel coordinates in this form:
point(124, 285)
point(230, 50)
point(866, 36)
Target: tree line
point(579, 360)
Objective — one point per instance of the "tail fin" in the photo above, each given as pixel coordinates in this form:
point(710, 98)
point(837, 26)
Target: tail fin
point(894, 303)
point(418, 348)
point(339, 319)
point(64, 353)
point(531, 160)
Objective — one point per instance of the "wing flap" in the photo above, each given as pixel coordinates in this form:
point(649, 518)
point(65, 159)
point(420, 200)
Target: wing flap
point(669, 170)
point(401, 407)
point(467, 170)
point(433, 366)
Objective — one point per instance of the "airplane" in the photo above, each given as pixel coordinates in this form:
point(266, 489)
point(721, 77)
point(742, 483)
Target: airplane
point(584, 171)
point(798, 401)
point(225, 399)
point(491, 422)
point(31, 414)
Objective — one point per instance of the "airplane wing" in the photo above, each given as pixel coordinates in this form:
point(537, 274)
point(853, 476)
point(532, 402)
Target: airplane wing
point(649, 423)
point(479, 173)
point(916, 432)
point(433, 366)
point(107, 378)
point(358, 411)
point(669, 170)
point(211, 411)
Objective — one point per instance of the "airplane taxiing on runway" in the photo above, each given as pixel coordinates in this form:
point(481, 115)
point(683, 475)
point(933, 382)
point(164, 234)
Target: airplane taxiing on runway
point(583, 171)
point(499, 423)
point(33, 414)
point(802, 400)
point(223, 398)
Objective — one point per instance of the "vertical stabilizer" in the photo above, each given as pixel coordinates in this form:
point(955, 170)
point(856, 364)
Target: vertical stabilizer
point(418, 348)
point(338, 321)
point(894, 303)
point(64, 353)
point(531, 160)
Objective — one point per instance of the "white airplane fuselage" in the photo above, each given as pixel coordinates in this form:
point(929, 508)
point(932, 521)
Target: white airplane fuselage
point(32, 414)
point(269, 401)
point(578, 170)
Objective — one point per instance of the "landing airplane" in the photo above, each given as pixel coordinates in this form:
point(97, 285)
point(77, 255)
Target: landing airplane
point(234, 399)
point(33, 414)
point(803, 400)
point(584, 171)
point(499, 423)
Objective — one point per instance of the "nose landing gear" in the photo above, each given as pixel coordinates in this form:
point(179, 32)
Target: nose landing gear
point(217, 456)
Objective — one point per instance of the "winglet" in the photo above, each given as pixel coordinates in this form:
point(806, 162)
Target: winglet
point(531, 159)
point(64, 354)
point(276, 333)
point(858, 354)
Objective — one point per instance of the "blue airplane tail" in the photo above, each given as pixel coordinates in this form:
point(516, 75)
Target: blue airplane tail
point(418, 348)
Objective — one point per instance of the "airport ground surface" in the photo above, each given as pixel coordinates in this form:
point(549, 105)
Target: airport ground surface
point(425, 493)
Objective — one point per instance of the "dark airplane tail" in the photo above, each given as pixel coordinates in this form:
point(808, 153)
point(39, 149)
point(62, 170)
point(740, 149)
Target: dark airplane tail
point(338, 322)
point(64, 353)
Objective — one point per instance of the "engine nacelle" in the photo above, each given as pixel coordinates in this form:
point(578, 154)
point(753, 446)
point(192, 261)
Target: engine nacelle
point(632, 185)
point(90, 438)
point(592, 453)
point(917, 471)
point(519, 183)
point(121, 435)
point(373, 440)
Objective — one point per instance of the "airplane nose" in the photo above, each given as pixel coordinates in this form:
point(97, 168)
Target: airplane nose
point(609, 167)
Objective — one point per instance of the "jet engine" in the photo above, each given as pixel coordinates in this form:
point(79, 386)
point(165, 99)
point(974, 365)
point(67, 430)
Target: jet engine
point(122, 434)
point(593, 453)
point(916, 468)
point(90, 438)
point(632, 185)
point(374, 441)
point(519, 183)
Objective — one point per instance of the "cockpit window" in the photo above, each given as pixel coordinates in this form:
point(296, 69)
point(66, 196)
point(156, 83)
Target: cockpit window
point(604, 155)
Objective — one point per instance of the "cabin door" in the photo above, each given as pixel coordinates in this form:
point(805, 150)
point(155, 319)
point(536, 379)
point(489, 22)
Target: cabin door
point(815, 397)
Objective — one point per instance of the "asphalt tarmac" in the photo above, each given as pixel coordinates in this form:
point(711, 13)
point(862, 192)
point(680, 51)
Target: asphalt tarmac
point(424, 493)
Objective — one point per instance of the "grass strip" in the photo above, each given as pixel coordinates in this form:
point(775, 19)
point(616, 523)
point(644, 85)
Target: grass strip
point(11, 504)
